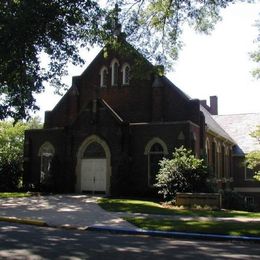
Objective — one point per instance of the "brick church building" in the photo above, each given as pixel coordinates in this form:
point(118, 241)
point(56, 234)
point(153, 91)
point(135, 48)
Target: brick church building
point(119, 118)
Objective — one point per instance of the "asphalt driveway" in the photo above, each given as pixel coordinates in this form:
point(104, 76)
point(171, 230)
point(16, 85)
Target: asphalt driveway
point(62, 210)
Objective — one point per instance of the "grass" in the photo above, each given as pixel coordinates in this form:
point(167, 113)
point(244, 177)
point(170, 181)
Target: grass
point(213, 227)
point(149, 207)
point(14, 194)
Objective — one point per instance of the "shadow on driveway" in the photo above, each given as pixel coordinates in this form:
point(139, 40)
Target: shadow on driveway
point(62, 210)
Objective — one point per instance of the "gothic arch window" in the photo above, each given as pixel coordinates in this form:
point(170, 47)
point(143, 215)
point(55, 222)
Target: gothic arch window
point(94, 150)
point(223, 162)
point(103, 77)
point(114, 70)
point(126, 74)
point(213, 158)
point(155, 150)
point(218, 161)
point(46, 153)
point(208, 150)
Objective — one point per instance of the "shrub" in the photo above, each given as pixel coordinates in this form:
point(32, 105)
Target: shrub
point(183, 173)
point(10, 176)
point(11, 152)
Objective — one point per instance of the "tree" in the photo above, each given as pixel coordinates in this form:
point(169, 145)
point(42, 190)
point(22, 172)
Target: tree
point(162, 22)
point(183, 173)
point(58, 28)
point(29, 28)
point(253, 158)
point(255, 56)
point(11, 151)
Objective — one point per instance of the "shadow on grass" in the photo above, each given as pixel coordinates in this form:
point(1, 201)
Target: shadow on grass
point(150, 207)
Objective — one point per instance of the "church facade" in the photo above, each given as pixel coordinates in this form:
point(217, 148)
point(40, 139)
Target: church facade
point(118, 119)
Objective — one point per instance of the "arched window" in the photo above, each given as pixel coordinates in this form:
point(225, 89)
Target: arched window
point(223, 162)
point(103, 77)
point(213, 158)
point(46, 152)
point(114, 76)
point(94, 150)
point(208, 151)
point(218, 161)
point(126, 74)
point(156, 149)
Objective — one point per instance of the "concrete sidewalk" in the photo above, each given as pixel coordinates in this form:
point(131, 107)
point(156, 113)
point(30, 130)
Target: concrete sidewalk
point(83, 212)
point(75, 211)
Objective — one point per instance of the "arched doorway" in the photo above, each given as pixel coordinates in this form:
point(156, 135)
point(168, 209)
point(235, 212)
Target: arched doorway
point(93, 167)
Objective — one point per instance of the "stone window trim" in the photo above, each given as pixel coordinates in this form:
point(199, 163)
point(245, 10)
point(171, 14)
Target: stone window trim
point(126, 73)
point(103, 77)
point(46, 149)
point(114, 72)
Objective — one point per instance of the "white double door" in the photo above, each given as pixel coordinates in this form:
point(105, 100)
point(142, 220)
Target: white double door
point(93, 174)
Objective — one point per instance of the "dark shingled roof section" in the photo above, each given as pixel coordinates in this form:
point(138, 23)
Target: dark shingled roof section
point(211, 123)
point(239, 126)
point(214, 126)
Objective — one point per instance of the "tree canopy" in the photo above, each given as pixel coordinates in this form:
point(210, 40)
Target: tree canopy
point(253, 158)
point(29, 28)
point(58, 28)
point(256, 54)
point(11, 151)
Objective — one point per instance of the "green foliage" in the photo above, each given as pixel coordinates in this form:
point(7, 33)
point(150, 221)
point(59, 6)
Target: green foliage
point(4, 195)
point(183, 173)
point(29, 28)
point(198, 226)
point(150, 207)
point(162, 22)
point(255, 56)
point(253, 158)
point(11, 151)
point(58, 28)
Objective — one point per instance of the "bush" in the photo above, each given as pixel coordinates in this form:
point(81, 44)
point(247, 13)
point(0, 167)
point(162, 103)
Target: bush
point(10, 176)
point(183, 173)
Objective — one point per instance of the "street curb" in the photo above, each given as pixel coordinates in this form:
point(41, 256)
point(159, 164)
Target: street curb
point(173, 234)
point(115, 230)
point(33, 222)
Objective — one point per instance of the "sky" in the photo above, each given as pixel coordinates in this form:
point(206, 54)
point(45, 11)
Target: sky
point(216, 64)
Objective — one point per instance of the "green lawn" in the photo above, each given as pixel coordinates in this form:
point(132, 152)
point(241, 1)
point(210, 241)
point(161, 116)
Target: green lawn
point(149, 207)
point(213, 227)
point(14, 194)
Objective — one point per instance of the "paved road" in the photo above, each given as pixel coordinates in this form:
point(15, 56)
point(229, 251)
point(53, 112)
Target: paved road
point(30, 242)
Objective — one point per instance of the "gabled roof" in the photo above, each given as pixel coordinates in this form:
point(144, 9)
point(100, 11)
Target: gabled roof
point(112, 111)
point(167, 82)
point(239, 127)
point(214, 126)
